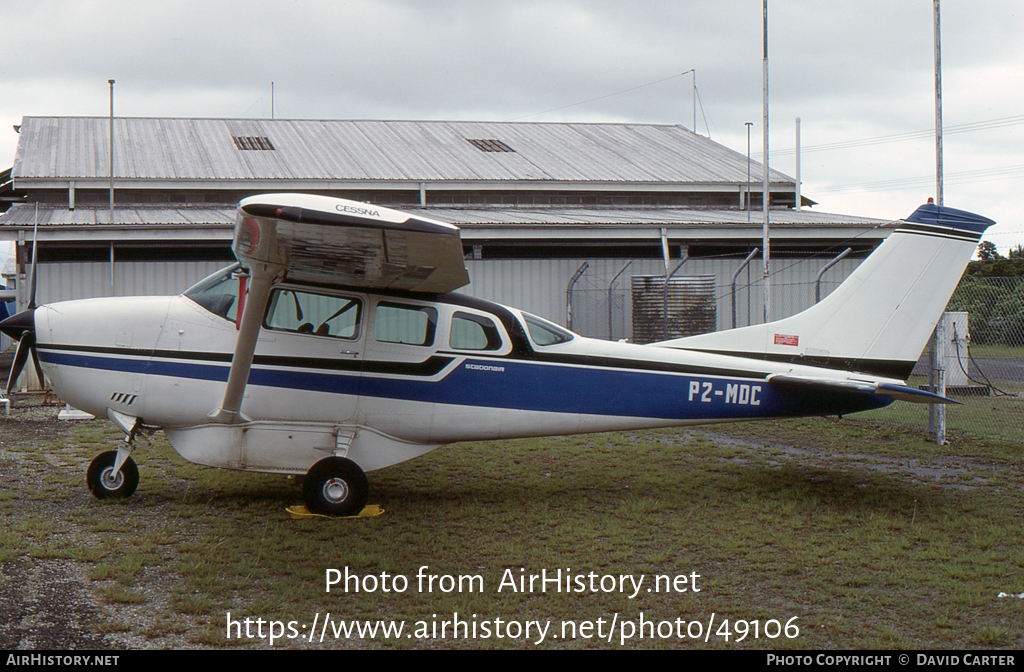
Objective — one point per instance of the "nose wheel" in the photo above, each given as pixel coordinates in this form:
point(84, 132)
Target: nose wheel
point(107, 482)
point(335, 486)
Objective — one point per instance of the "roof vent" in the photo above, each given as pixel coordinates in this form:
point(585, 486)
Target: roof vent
point(491, 145)
point(253, 142)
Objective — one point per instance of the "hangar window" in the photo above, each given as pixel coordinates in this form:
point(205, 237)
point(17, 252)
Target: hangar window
point(473, 332)
point(316, 314)
point(404, 323)
point(253, 142)
point(491, 145)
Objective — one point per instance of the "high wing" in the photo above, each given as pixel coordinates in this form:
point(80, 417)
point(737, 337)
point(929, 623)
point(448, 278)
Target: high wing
point(331, 241)
point(339, 242)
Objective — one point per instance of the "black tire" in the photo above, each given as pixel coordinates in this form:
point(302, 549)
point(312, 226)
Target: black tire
point(335, 486)
point(102, 486)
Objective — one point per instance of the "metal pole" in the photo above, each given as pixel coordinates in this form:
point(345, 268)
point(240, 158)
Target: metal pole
point(664, 248)
point(21, 271)
point(942, 341)
point(938, 107)
point(694, 70)
point(694, 73)
point(798, 163)
point(824, 269)
point(664, 291)
point(111, 82)
point(736, 275)
point(568, 293)
point(749, 125)
point(611, 303)
point(937, 412)
point(764, 184)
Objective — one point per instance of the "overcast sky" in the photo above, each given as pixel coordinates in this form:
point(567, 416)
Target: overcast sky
point(852, 71)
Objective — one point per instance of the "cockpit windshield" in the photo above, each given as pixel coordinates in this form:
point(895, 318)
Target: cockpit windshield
point(218, 293)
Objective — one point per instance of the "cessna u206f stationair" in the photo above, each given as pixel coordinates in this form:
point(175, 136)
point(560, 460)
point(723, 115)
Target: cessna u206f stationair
point(336, 346)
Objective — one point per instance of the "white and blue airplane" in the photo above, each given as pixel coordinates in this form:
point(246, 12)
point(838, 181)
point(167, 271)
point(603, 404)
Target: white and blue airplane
point(337, 346)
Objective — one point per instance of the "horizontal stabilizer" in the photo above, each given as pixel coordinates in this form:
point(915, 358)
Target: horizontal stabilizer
point(891, 390)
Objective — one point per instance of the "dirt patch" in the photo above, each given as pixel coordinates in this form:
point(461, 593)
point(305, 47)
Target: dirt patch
point(957, 473)
point(46, 604)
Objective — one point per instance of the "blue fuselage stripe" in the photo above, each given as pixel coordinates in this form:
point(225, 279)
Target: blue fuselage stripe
point(525, 385)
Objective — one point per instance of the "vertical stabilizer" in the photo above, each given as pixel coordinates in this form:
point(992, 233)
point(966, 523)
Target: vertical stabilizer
point(879, 320)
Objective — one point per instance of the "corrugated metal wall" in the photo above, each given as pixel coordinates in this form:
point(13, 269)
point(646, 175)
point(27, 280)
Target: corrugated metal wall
point(83, 280)
point(539, 287)
point(535, 285)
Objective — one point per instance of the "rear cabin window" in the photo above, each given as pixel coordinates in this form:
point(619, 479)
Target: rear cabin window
point(545, 333)
point(404, 323)
point(473, 332)
point(317, 314)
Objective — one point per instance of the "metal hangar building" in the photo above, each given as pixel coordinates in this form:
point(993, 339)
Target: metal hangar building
point(556, 218)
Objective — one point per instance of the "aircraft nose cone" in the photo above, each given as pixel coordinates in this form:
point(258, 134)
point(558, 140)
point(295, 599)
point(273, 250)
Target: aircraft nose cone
point(16, 325)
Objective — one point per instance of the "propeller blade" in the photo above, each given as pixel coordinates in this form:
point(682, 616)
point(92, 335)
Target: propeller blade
point(36, 365)
point(25, 345)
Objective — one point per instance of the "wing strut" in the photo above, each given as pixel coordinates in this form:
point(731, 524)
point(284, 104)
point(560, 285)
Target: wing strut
point(262, 278)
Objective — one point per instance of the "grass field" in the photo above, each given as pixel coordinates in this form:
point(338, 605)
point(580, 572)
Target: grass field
point(997, 351)
point(855, 535)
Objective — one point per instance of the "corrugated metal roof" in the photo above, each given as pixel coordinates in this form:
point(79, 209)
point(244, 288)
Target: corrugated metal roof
point(640, 215)
point(400, 151)
point(24, 214)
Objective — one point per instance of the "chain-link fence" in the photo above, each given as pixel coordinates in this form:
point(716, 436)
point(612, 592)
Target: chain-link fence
point(988, 368)
point(985, 370)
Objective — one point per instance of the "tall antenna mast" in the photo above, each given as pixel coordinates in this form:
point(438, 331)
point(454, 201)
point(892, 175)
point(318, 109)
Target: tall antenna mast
point(111, 83)
point(938, 107)
point(764, 185)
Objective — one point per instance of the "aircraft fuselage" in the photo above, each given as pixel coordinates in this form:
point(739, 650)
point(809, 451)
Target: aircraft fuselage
point(382, 378)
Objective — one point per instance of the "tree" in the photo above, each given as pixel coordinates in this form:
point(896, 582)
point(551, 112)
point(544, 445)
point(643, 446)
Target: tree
point(987, 251)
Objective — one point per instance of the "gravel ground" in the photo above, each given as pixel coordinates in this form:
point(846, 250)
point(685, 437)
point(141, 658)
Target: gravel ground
point(52, 603)
point(44, 604)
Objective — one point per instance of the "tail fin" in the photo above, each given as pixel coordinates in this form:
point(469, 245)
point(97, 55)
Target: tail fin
point(880, 318)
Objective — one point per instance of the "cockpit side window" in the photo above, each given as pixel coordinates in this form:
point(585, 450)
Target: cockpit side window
point(546, 333)
point(316, 314)
point(218, 293)
point(473, 332)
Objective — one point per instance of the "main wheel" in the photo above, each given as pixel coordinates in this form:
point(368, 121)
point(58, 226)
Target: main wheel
point(335, 486)
point(104, 485)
